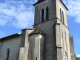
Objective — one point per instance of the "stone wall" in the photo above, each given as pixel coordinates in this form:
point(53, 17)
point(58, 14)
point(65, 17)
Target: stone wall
point(13, 43)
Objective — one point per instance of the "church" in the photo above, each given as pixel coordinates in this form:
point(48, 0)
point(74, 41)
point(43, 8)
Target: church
point(49, 39)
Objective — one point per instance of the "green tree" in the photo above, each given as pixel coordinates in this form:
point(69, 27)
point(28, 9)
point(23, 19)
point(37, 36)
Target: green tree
point(77, 58)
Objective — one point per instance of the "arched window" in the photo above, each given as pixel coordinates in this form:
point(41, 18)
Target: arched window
point(7, 54)
point(1, 46)
point(36, 58)
point(62, 33)
point(47, 13)
point(65, 35)
point(60, 14)
point(42, 15)
point(62, 17)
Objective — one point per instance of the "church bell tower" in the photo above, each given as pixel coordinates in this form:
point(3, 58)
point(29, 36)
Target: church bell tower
point(51, 19)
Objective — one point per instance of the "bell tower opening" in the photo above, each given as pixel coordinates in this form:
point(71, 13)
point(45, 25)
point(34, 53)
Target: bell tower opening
point(42, 16)
point(47, 13)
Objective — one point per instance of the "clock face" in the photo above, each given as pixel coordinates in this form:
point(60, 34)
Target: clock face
point(65, 56)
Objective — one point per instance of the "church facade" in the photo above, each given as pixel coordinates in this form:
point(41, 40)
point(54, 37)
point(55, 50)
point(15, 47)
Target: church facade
point(49, 39)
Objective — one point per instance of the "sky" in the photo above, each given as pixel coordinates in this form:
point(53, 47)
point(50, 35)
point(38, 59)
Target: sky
point(16, 15)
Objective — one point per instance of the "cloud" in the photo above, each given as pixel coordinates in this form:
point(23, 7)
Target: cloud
point(74, 9)
point(19, 15)
point(24, 21)
point(78, 55)
point(20, 1)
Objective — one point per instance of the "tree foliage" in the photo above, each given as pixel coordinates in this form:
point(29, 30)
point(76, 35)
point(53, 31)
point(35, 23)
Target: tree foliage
point(77, 58)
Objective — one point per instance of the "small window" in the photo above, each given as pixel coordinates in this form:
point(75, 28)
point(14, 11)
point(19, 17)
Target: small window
point(1, 46)
point(62, 34)
point(62, 17)
point(65, 35)
point(36, 58)
point(47, 13)
point(42, 15)
point(7, 54)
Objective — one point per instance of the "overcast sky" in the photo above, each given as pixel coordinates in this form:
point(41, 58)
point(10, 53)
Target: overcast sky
point(18, 14)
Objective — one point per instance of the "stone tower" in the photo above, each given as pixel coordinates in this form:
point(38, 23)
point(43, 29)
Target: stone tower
point(51, 19)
